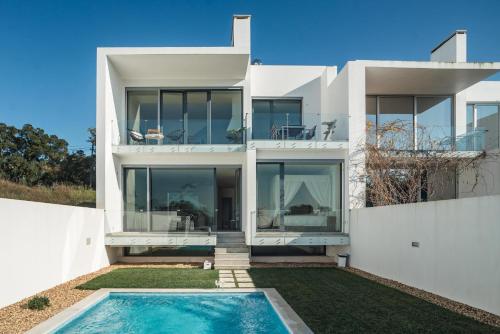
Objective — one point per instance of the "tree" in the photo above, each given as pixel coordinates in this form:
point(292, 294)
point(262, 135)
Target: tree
point(395, 173)
point(29, 155)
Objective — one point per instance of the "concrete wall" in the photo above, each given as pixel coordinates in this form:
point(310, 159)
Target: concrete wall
point(44, 245)
point(458, 253)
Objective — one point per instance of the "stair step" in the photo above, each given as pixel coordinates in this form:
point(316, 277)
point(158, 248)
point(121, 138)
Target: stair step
point(230, 250)
point(231, 267)
point(230, 245)
point(230, 256)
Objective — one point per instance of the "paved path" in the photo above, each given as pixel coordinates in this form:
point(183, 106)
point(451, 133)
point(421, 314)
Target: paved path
point(235, 279)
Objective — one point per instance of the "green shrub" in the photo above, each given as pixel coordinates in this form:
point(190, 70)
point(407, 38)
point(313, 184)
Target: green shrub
point(38, 303)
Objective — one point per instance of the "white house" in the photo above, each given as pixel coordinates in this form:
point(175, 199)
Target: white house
point(202, 154)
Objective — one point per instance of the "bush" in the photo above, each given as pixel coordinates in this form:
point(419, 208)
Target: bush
point(38, 303)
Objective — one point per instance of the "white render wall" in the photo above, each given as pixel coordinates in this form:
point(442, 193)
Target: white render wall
point(44, 245)
point(458, 257)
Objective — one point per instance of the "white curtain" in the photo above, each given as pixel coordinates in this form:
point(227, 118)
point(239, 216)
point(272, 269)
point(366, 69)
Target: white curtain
point(319, 186)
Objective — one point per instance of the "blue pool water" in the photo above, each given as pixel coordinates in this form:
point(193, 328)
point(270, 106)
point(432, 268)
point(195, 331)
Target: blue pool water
point(179, 313)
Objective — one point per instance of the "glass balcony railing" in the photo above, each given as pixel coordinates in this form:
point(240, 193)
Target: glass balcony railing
point(147, 132)
point(335, 128)
point(318, 221)
point(472, 141)
point(166, 222)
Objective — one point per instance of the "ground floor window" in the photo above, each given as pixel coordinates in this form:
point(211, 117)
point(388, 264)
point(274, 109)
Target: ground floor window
point(288, 250)
point(169, 251)
point(158, 199)
point(299, 196)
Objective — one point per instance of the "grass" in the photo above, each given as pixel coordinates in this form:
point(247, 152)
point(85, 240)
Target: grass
point(327, 299)
point(58, 194)
point(161, 278)
point(334, 301)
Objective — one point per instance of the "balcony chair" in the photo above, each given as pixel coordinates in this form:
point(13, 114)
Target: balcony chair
point(136, 136)
point(330, 129)
point(308, 134)
point(176, 136)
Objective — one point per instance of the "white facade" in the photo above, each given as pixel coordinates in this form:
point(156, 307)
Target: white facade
point(324, 96)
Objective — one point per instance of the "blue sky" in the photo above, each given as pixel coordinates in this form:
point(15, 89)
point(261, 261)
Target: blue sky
point(48, 48)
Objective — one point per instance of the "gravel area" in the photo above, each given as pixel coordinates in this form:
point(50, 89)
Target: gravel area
point(16, 318)
point(469, 311)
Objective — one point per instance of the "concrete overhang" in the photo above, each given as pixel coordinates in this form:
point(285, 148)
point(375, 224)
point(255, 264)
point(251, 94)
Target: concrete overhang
point(421, 78)
point(209, 63)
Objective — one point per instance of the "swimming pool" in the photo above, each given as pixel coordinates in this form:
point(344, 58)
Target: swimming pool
point(211, 312)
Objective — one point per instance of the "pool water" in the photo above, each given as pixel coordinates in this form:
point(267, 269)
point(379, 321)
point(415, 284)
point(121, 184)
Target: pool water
point(179, 313)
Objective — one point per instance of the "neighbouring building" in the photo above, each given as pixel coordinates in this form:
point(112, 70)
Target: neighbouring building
point(204, 154)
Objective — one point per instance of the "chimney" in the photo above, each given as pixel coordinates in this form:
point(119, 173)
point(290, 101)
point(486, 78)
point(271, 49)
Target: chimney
point(241, 31)
point(453, 49)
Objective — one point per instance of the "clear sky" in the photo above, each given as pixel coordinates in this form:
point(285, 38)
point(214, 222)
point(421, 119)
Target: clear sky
point(48, 48)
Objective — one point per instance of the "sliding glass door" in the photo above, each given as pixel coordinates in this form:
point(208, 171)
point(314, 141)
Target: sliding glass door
point(299, 196)
point(269, 116)
point(184, 116)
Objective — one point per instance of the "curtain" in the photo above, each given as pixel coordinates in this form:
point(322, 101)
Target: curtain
point(319, 186)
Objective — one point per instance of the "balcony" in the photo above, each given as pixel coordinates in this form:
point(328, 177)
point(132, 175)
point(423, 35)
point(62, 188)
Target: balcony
point(208, 117)
point(307, 132)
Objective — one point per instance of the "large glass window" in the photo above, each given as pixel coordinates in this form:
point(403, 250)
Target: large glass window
point(371, 120)
point(142, 112)
point(270, 116)
point(182, 199)
point(226, 112)
point(197, 117)
point(434, 123)
point(410, 122)
point(184, 117)
point(172, 117)
point(396, 122)
point(302, 197)
point(483, 124)
point(135, 200)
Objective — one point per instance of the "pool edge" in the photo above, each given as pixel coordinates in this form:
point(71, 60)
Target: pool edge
point(284, 311)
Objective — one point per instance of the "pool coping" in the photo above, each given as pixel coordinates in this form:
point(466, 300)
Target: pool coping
point(289, 317)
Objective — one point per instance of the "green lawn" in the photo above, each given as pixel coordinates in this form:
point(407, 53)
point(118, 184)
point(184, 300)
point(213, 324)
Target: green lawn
point(164, 278)
point(334, 301)
point(327, 299)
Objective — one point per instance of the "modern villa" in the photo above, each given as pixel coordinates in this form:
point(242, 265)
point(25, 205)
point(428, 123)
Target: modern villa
point(205, 153)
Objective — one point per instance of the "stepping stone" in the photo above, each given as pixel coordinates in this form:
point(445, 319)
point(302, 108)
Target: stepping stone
point(244, 280)
point(226, 279)
point(246, 285)
point(242, 275)
point(225, 271)
point(240, 271)
point(226, 275)
point(228, 285)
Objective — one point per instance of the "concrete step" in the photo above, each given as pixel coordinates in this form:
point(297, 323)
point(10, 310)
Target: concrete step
point(230, 239)
point(231, 262)
point(230, 245)
point(230, 256)
point(231, 267)
point(230, 250)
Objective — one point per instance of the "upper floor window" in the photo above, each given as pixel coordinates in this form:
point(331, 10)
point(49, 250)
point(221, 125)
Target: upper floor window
point(483, 124)
point(157, 116)
point(410, 122)
point(276, 118)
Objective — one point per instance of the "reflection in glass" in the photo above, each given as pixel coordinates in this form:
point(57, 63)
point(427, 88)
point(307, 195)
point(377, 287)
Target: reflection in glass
point(371, 120)
point(434, 123)
point(171, 117)
point(396, 122)
point(182, 199)
point(269, 116)
point(300, 197)
point(226, 121)
point(135, 200)
point(487, 122)
point(268, 196)
point(197, 117)
point(142, 111)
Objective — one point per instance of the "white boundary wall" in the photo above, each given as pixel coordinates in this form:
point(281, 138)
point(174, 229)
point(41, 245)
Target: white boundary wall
point(459, 252)
point(43, 245)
